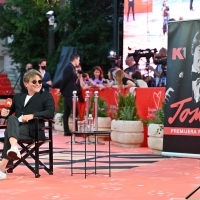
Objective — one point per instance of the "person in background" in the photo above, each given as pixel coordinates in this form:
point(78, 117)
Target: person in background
point(68, 85)
point(132, 67)
point(28, 67)
point(159, 71)
point(137, 77)
point(166, 16)
point(46, 80)
point(111, 80)
point(97, 79)
point(123, 81)
point(25, 106)
point(191, 5)
point(130, 6)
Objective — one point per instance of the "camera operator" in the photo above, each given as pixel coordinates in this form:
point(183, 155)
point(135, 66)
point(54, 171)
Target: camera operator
point(132, 67)
point(161, 69)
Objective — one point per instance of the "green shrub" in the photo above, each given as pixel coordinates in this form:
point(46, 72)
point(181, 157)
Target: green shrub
point(126, 109)
point(102, 107)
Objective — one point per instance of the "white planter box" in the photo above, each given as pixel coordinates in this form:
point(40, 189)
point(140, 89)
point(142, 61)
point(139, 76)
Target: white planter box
point(58, 126)
point(127, 133)
point(155, 138)
point(104, 124)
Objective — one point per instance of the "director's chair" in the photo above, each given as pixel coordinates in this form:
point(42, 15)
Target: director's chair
point(31, 149)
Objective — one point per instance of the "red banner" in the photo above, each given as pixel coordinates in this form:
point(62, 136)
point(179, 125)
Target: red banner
point(147, 101)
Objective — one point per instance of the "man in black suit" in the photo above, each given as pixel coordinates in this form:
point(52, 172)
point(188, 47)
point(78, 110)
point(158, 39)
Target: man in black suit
point(26, 106)
point(191, 6)
point(68, 85)
point(46, 80)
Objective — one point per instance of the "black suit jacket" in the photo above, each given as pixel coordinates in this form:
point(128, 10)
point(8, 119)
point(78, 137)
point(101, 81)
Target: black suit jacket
point(68, 84)
point(40, 105)
point(47, 77)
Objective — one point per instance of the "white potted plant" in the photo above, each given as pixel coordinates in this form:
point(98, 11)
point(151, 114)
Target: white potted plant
point(127, 129)
point(155, 131)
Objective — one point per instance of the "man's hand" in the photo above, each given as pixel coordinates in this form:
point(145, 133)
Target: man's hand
point(49, 82)
point(5, 112)
point(58, 92)
point(151, 68)
point(26, 118)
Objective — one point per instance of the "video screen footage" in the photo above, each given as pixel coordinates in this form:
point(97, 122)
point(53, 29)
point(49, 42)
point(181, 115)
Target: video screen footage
point(145, 24)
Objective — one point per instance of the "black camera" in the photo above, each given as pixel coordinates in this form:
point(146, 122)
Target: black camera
point(80, 71)
point(105, 81)
point(147, 53)
point(160, 61)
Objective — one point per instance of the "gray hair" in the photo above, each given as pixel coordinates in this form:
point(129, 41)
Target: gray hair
point(30, 74)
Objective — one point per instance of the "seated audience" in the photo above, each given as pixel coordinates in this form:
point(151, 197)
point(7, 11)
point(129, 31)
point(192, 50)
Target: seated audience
point(137, 77)
point(123, 81)
point(111, 80)
point(96, 79)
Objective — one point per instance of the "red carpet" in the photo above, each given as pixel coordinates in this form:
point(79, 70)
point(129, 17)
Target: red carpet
point(135, 176)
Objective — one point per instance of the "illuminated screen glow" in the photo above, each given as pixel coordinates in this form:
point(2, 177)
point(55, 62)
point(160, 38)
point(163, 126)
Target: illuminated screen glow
point(146, 31)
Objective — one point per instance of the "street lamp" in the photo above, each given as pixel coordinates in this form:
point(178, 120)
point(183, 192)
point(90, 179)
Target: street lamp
point(51, 42)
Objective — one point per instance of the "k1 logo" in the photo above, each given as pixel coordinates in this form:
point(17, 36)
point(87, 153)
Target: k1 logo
point(179, 53)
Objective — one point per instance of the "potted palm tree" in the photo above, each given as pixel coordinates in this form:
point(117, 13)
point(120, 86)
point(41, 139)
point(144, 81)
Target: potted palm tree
point(127, 129)
point(155, 131)
point(104, 121)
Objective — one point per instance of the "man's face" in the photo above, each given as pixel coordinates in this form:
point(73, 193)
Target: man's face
point(196, 59)
point(77, 62)
point(129, 61)
point(33, 86)
point(44, 64)
point(28, 67)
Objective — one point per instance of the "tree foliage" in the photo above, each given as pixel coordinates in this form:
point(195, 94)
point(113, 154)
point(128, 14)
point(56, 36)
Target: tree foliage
point(87, 25)
point(84, 24)
point(25, 22)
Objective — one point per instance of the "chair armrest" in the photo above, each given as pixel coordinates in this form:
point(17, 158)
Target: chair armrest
point(45, 119)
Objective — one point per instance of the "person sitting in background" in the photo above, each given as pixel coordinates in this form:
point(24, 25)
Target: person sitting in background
point(28, 67)
point(96, 79)
point(111, 80)
point(123, 81)
point(138, 79)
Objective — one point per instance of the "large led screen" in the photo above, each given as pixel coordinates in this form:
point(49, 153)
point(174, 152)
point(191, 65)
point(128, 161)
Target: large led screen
point(144, 20)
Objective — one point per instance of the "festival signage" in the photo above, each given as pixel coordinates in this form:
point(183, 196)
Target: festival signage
point(182, 114)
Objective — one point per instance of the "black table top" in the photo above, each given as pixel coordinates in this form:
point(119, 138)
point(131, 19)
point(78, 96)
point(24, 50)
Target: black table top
point(92, 132)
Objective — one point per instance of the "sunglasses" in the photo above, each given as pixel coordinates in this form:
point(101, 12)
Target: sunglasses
point(39, 81)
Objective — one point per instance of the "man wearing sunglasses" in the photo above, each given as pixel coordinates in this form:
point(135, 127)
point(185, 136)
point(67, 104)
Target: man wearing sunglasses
point(68, 85)
point(26, 106)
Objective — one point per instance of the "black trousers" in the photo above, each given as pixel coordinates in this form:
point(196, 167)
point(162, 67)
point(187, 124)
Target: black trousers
point(16, 130)
point(67, 112)
point(131, 6)
point(191, 2)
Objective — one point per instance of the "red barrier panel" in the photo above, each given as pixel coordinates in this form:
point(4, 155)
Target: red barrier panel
point(147, 101)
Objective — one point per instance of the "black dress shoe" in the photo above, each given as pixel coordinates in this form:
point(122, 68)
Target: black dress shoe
point(67, 133)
